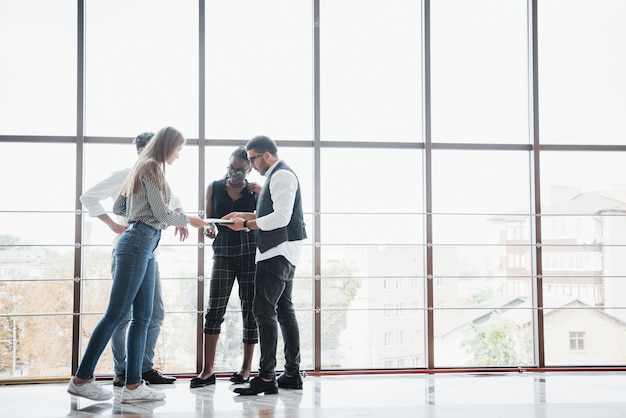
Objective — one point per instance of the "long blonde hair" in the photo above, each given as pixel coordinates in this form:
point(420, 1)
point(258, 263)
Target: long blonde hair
point(151, 161)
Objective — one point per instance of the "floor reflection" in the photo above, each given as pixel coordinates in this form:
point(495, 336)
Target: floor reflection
point(493, 395)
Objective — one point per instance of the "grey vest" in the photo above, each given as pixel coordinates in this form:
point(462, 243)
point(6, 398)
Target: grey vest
point(294, 231)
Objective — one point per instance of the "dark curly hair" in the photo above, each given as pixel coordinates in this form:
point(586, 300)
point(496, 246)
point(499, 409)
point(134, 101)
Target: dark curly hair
point(142, 139)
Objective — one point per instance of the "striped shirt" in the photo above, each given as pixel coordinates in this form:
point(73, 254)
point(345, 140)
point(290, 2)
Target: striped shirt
point(148, 205)
point(109, 188)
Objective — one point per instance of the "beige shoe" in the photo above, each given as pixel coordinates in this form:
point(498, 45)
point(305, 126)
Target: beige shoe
point(90, 390)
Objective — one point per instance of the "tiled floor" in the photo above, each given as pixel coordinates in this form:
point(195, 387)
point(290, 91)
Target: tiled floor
point(490, 395)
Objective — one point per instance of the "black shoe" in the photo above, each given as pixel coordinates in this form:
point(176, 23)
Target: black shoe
point(197, 382)
point(290, 382)
point(258, 385)
point(155, 377)
point(238, 379)
point(119, 380)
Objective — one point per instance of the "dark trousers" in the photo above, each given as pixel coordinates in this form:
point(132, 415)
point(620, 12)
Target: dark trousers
point(273, 306)
point(225, 270)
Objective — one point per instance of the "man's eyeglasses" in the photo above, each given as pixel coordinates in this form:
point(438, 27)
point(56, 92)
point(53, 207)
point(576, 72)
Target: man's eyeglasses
point(256, 156)
point(237, 171)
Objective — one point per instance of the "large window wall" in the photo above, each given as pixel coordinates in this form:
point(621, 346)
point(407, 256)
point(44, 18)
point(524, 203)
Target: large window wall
point(460, 163)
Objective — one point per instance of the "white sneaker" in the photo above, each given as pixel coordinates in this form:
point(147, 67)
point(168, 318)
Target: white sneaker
point(141, 394)
point(90, 390)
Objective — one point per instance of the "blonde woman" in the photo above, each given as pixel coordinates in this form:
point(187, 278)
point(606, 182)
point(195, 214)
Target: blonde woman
point(144, 202)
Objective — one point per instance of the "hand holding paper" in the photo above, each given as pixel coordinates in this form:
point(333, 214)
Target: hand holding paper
point(218, 221)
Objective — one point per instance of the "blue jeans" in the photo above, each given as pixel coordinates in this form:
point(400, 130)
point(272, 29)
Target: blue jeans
point(272, 306)
point(133, 287)
point(118, 341)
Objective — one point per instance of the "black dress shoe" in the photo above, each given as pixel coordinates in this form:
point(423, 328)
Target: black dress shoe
point(238, 379)
point(155, 377)
point(119, 380)
point(256, 386)
point(196, 382)
point(290, 382)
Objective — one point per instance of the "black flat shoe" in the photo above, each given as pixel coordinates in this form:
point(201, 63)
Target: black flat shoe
point(290, 382)
point(238, 379)
point(256, 386)
point(196, 382)
point(155, 377)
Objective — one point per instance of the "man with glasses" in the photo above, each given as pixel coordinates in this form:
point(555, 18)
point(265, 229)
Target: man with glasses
point(280, 228)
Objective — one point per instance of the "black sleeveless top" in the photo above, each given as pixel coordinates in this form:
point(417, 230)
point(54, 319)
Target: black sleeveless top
point(228, 242)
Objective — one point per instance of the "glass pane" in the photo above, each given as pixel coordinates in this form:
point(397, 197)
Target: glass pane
point(583, 220)
point(370, 75)
point(582, 183)
point(35, 297)
point(479, 71)
point(381, 262)
point(482, 259)
point(372, 229)
point(179, 294)
point(581, 72)
point(176, 347)
point(38, 71)
point(488, 182)
point(38, 228)
point(52, 188)
point(495, 333)
point(490, 270)
point(177, 261)
point(259, 69)
point(347, 188)
point(139, 78)
point(590, 274)
point(357, 338)
point(372, 307)
point(512, 229)
point(33, 262)
point(35, 346)
point(576, 334)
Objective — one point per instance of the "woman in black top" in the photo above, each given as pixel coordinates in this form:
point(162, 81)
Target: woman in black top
point(233, 257)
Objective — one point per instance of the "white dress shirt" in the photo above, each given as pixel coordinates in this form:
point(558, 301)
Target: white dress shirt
point(283, 188)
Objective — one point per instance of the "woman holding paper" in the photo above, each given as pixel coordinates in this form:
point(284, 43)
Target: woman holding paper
point(233, 258)
point(143, 200)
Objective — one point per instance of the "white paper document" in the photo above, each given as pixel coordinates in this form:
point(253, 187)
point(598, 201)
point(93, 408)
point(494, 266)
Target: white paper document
point(219, 221)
